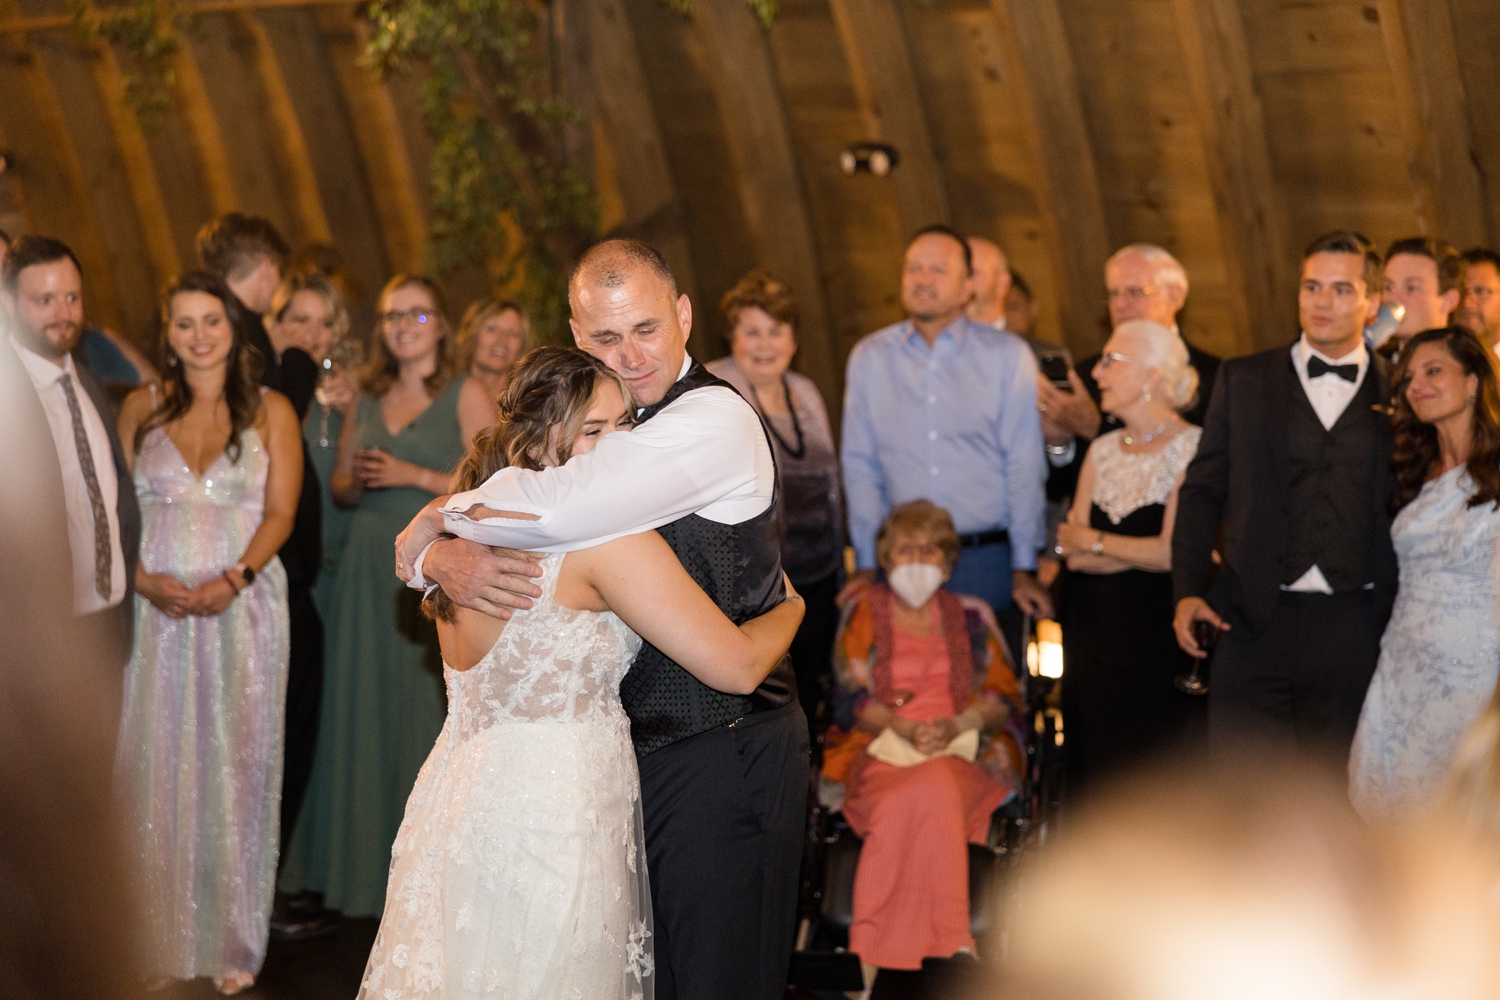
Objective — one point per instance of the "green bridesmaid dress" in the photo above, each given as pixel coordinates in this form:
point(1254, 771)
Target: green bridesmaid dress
point(320, 436)
point(383, 695)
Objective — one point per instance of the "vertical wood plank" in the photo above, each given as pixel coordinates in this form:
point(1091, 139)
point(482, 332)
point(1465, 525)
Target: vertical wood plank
point(764, 164)
point(1251, 217)
point(140, 172)
point(1068, 185)
point(1477, 34)
point(203, 125)
point(1423, 58)
point(885, 85)
point(627, 122)
point(307, 200)
point(378, 131)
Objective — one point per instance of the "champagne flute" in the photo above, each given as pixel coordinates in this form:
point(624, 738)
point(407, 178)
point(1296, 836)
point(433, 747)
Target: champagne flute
point(1206, 634)
point(346, 354)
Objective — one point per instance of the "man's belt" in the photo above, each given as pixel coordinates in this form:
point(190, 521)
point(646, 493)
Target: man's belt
point(980, 538)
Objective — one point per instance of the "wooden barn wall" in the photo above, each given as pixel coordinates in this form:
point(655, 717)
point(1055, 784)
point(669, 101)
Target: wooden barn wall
point(1229, 131)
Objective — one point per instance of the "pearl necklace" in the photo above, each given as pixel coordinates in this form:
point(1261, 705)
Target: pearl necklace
point(1147, 438)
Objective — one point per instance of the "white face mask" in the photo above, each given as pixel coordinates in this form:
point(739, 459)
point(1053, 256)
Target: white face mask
point(916, 582)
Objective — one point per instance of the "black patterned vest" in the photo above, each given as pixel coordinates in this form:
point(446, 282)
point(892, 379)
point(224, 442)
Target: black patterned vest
point(1331, 520)
point(739, 566)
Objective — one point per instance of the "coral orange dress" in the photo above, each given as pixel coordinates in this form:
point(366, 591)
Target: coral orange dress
point(911, 892)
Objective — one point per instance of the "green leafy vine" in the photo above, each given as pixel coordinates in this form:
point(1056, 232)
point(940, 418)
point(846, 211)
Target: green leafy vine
point(147, 34)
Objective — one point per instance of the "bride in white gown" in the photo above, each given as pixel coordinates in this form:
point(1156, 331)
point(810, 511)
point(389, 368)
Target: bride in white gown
point(519, 870)
point(1440, 655)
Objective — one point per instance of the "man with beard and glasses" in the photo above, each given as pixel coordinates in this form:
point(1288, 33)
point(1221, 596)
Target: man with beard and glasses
point(41, 290)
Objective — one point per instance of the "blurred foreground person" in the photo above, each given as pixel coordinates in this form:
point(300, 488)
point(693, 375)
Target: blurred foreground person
point(218, 470)
point(1232, 881)
point(1440, 654)
point(65, 920)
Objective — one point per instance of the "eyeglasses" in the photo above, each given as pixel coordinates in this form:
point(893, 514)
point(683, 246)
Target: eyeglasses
point(1110, 357)
point(395, 316)
point(917, 550)
point(1132, 292)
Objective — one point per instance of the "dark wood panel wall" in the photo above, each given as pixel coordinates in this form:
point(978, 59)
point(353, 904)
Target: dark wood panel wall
point(1229, 131)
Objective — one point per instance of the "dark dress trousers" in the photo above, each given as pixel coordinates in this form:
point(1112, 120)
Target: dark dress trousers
point(1289, 494)
point(724, 778)
point(1063, 481)
point(295, 375)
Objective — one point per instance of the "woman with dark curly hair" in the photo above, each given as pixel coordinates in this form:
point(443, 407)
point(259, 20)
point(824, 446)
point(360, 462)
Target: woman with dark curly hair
point(1440, 655)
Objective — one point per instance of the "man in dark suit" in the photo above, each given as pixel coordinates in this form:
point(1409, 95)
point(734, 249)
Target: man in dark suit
point(249, 254)
point(1142, 281)
point(1295, 464)
point(41, 290)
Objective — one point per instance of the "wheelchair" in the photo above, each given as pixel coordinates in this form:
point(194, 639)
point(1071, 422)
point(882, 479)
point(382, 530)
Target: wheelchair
point(821, 963)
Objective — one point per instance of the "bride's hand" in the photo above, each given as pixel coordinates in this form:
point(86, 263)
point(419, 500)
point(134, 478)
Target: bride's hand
point(166, 592)
point(791, 592)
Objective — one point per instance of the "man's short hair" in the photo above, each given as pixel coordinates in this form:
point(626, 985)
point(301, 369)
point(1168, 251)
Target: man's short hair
point(28, 251)
point(1453, 270)
point(234, 244)
point(610, 262)
point(1483, 255)
point(1166, 270)
point(939, 229)
point(1349, 241)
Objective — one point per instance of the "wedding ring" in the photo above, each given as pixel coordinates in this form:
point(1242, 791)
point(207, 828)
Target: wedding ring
point(1042, 407)
point(1058, 549)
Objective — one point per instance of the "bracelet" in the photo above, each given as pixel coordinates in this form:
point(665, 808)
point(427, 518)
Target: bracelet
point(1098, 547)
point(1058, 449)
point(232, 585)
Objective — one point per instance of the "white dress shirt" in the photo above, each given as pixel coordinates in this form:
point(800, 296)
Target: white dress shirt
point(704, 453)
point(1330, 396)
point(47, 378)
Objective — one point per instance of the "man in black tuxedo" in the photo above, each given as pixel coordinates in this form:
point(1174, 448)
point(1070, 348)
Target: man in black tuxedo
point(248, 253)
point(41, 289)
point(1142, 281)
point(1295, 464)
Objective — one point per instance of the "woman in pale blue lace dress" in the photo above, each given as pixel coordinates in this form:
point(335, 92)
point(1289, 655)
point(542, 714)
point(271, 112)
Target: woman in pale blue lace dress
point(520, 868)
point(218, 469)
point(1440, 656)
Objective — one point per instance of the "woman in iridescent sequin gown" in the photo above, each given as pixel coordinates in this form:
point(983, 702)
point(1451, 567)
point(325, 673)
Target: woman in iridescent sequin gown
point(218, 469)
point(1440, 655)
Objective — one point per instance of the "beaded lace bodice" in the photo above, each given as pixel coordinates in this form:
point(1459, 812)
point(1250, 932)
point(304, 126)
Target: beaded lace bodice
point(1126, 481)
point(549, 663)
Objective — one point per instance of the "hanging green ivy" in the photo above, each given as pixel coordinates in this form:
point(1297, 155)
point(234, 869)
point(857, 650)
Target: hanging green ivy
point(502, 194)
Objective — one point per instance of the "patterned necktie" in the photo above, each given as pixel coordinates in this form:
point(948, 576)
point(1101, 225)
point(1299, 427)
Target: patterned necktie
point(103, 556)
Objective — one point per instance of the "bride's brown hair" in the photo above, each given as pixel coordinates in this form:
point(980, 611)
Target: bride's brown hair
point(542, 410)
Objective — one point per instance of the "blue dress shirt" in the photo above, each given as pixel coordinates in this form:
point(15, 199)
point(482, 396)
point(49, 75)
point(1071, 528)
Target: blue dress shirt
point(955, 423)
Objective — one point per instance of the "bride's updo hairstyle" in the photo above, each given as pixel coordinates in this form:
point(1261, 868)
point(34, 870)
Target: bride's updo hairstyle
point(542, 410)
point(1167, 353)
point(1414, 451)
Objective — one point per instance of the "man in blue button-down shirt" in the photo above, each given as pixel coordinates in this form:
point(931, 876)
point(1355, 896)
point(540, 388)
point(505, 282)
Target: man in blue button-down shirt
point(943, 408)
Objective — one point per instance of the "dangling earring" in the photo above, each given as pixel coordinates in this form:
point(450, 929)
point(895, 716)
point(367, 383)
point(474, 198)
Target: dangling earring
point(172, 360)
point(1146, 394)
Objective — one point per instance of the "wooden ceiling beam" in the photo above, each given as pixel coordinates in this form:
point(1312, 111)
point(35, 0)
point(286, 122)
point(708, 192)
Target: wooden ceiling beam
point(764, 165)
point(876, 47)
point(1420, 48)
point(203, 125)
point(1250, 212)
point(1067, 181)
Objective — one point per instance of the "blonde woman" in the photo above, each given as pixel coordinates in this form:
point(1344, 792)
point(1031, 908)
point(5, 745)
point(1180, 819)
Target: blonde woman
point(492, 335)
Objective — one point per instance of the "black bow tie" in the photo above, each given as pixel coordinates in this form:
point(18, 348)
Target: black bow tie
point(1317, 367)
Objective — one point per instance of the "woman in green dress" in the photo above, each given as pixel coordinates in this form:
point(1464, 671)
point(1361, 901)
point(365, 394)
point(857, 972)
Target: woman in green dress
point(383, 697)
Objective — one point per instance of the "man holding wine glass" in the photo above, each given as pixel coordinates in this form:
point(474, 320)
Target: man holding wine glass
point(1295, 464)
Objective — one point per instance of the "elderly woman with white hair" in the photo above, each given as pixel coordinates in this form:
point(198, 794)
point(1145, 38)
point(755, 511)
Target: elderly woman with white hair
point(1119, 700)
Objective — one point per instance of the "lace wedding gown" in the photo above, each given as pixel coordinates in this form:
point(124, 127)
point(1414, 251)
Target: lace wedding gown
point(519, 871)
point(1440, 655)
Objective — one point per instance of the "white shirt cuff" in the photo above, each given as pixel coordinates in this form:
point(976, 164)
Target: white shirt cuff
point(418, 582)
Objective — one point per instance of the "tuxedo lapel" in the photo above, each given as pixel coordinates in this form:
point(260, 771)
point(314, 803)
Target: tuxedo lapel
point(1281, 382)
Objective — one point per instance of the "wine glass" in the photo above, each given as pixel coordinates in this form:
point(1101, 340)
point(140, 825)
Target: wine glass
point(1206, 634)
point(345, 354)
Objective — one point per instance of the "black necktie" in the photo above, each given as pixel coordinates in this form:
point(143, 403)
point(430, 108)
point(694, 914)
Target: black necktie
point(1316, 367)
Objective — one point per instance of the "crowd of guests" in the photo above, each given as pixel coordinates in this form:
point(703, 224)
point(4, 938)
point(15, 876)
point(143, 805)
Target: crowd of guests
point(1327, 512)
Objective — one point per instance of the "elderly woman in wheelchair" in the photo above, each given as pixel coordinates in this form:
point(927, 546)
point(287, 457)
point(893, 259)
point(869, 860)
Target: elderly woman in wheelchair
point(925, 742)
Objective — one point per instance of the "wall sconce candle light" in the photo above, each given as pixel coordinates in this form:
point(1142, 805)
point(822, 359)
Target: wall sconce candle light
point(876, 158)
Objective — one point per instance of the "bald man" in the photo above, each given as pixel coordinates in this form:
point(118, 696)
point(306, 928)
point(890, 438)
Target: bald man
point(723, 777)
